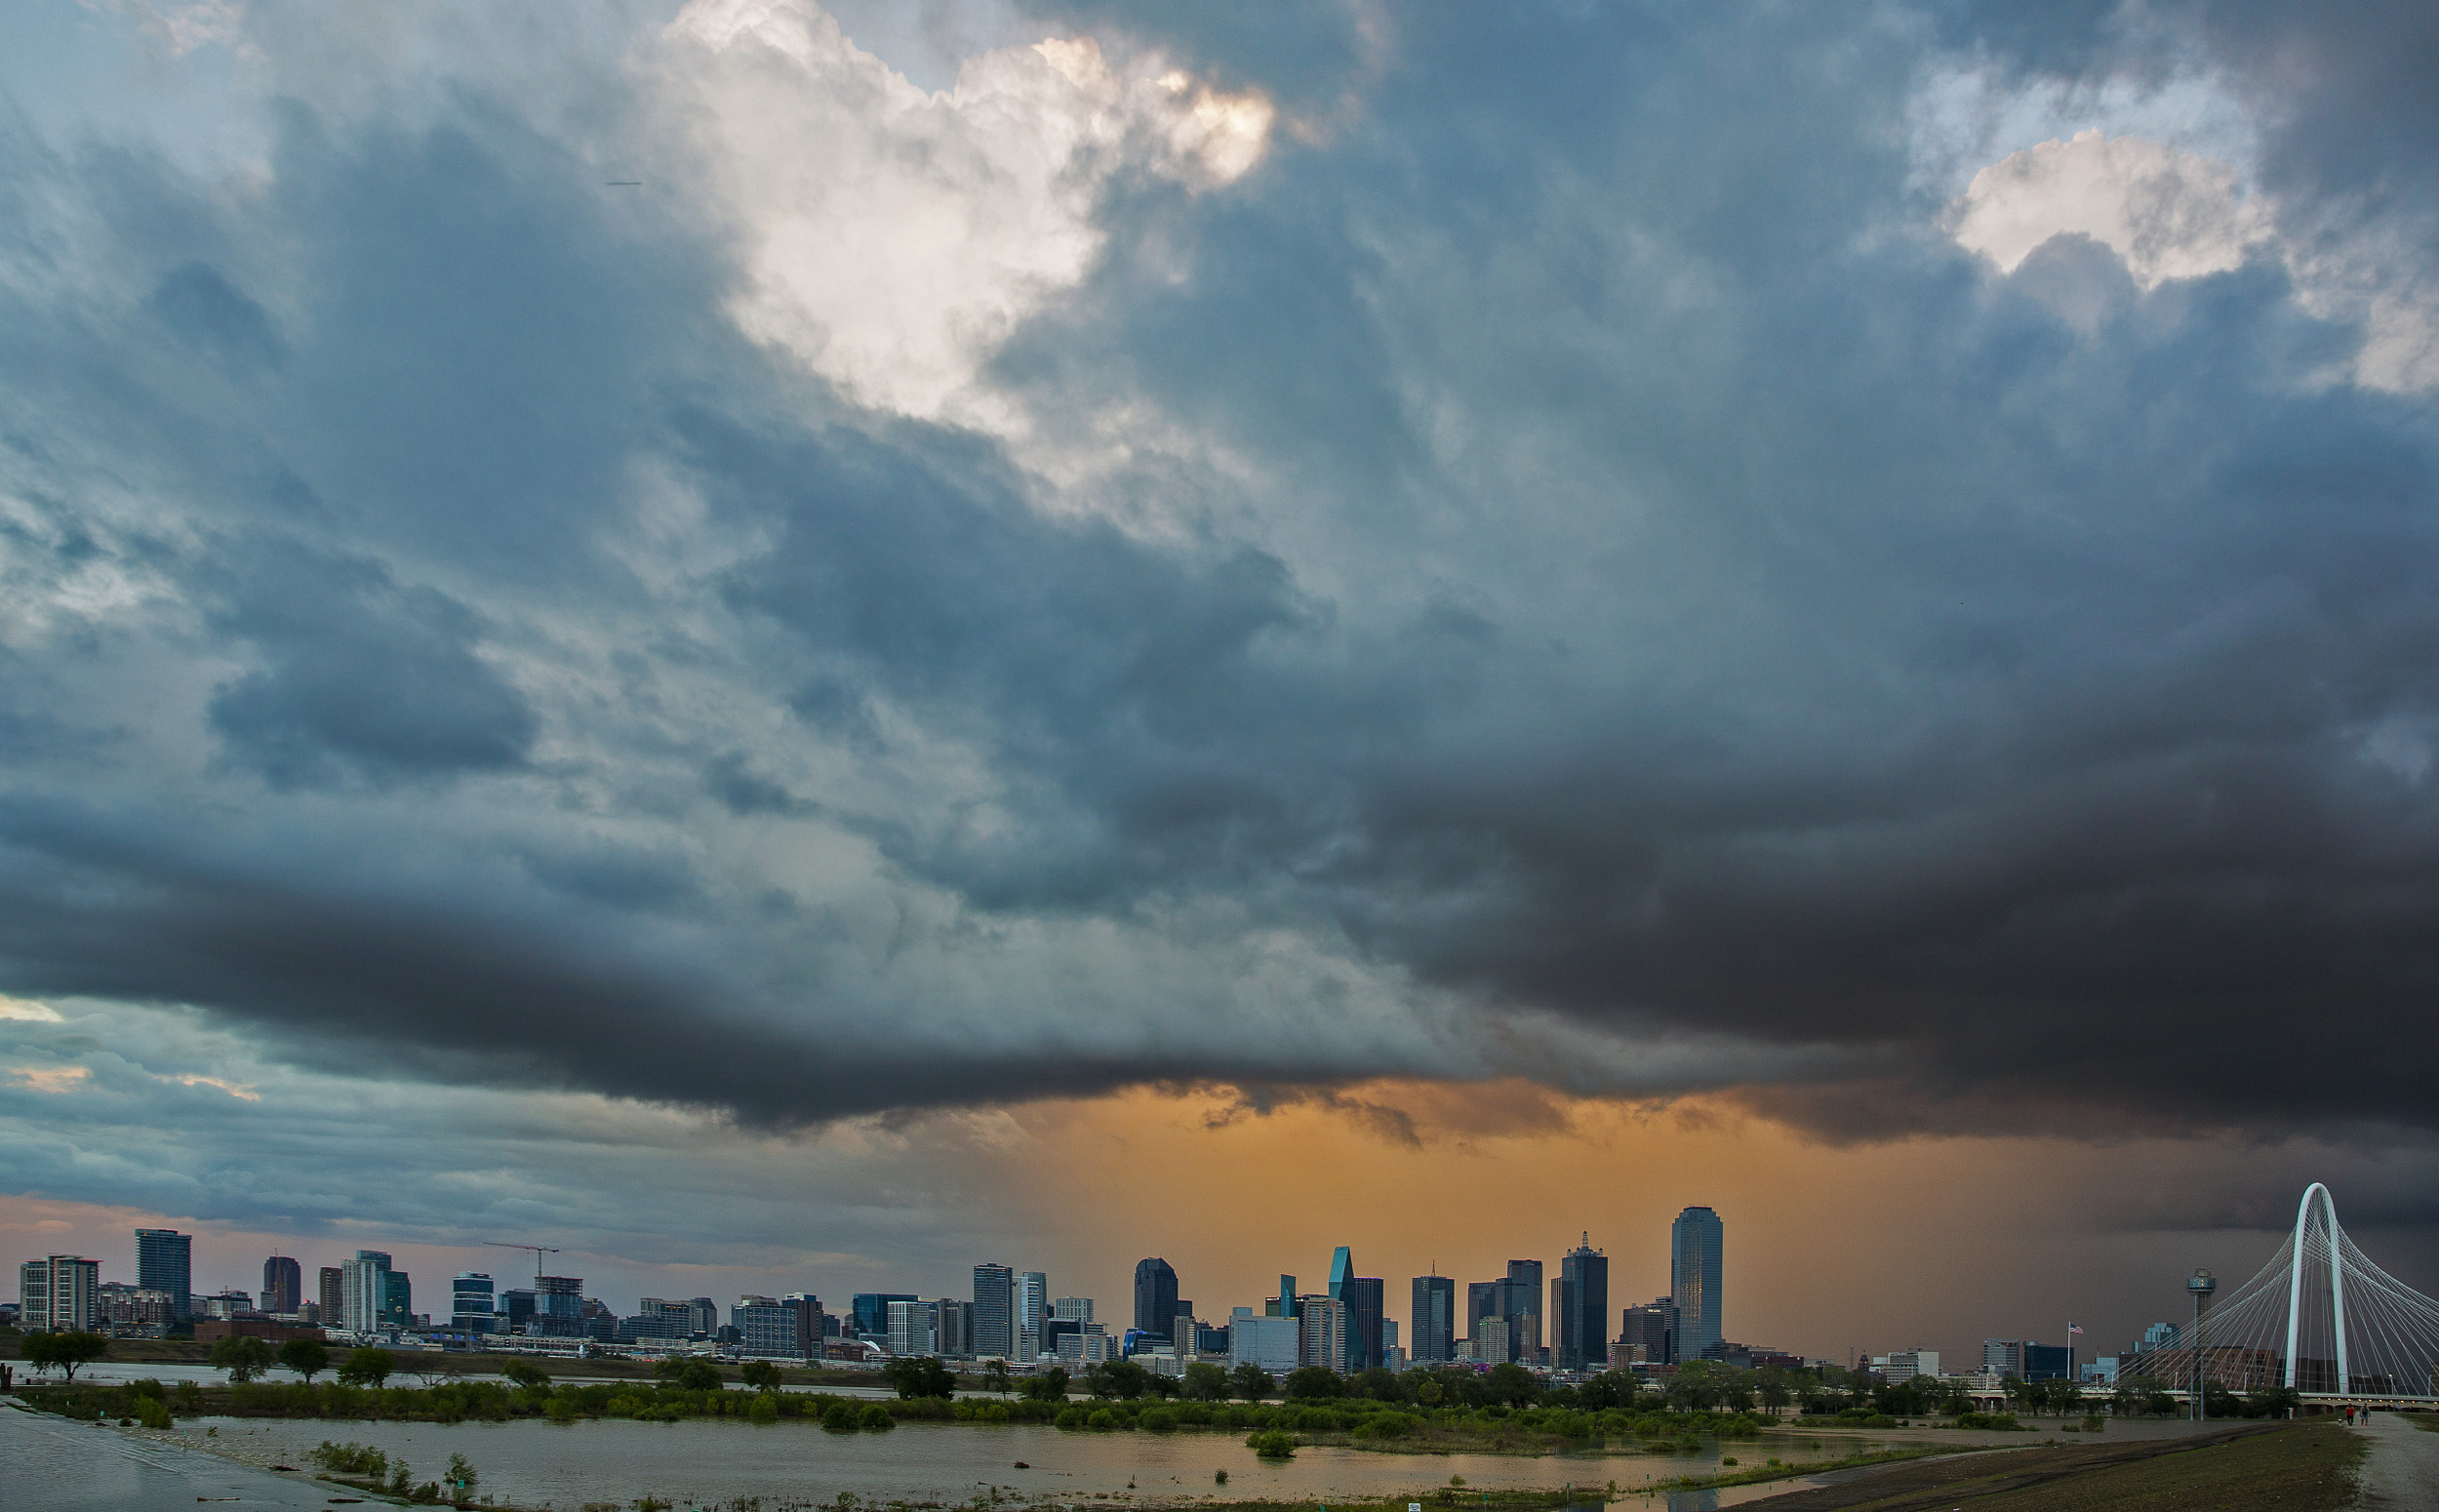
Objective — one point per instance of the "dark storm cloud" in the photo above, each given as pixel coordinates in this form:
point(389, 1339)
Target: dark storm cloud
point(362, 676)
point(1671, 592)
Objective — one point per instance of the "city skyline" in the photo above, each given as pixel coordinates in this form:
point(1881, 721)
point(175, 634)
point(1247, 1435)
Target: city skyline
point(1613, 1314)
point(1218, 634)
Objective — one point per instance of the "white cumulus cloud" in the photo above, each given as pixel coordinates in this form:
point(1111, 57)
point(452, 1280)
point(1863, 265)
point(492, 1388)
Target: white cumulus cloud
point(2169, 214)
point(892, 237)
point(2180, 214)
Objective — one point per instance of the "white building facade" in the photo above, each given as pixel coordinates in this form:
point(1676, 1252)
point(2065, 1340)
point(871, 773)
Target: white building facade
point(60, 1294)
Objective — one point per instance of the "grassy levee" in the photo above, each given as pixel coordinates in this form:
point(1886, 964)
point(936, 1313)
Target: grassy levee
point(1357, 1424)
point(124, 1351)
point(2270, 1467)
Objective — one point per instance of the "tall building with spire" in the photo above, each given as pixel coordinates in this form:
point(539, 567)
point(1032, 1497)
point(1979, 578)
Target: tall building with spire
point(1432, 1325)
point(1579, 1323)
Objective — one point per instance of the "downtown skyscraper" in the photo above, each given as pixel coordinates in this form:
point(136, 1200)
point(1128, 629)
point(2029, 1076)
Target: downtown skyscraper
point(1579, 1320)
point(1432, 1325)
point(1694, 1246)
point(994, 1310)
point(1156, 1297)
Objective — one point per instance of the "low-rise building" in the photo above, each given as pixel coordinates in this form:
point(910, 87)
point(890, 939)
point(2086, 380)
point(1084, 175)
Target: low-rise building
point(1272, 1343)
point(271, 1330)
point(1904, 1365)
point(126, 1306)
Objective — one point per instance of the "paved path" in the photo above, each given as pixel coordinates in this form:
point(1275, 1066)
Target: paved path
point(49, 1465)
point(2401, 1474)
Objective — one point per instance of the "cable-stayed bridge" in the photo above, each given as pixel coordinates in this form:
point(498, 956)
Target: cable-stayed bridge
point(2320, 1320)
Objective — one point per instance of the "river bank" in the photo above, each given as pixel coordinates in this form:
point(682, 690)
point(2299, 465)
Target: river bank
point(698, 1463)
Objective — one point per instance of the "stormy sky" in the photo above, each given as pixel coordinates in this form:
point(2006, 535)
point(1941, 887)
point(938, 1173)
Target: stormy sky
point(734, 620)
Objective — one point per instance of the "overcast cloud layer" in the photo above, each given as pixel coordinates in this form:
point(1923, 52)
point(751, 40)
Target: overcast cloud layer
point(1879, 560)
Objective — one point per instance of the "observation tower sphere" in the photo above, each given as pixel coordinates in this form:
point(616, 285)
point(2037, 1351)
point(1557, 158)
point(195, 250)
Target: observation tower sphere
point(2201, 1284)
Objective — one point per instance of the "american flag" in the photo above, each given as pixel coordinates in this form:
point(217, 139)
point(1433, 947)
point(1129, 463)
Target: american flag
point(2074, 1327)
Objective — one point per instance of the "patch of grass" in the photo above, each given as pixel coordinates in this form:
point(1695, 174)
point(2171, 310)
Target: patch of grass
point(2285, 1467)
point(1775, 1471)
point(1543, 1500)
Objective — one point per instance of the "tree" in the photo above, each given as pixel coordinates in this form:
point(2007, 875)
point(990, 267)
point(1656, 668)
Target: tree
point(995, 1376)
point(1250, 1382)
point(1049, 1386)
point(1774, 1392)
point(1378, 1383)
point(1512, 1385)
point(461, 1478)
point(307, 1357)
point(242, 1355)
point(1205, 1383)
point(1121, 1380)
point(368, 1366)
point(689, 1373)
point(919, 1375)
point(1609, 1389)
point(527, 1374)
point(1315, 1382)
point(761, 1375)
point(66, 1350)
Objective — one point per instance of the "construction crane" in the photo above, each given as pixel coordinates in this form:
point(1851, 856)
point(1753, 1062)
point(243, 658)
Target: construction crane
point(538, 1252)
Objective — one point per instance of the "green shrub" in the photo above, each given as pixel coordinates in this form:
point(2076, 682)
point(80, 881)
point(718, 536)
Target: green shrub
point(1159, 1419)
point(1273, 1445)
point(2000, 1422)
point(877, 1418)
point(763, 1410)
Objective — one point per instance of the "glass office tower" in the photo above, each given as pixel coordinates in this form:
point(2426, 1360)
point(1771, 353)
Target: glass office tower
point(1694, 1265)
point(165, 1261)
point(1432, 1325)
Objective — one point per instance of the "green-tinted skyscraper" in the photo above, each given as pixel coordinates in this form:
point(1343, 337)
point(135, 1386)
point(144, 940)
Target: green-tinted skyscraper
point(1342, 1288)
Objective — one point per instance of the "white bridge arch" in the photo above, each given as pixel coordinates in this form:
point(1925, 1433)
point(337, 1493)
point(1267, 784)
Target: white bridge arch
point(2320, 1320)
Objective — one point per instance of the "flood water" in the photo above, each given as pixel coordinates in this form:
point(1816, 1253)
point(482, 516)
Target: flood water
point(706, 1462)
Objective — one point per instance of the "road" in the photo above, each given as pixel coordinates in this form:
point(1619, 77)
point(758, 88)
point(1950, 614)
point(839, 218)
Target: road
point(49, 1465)
point(2401, 1474)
